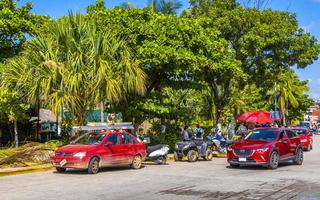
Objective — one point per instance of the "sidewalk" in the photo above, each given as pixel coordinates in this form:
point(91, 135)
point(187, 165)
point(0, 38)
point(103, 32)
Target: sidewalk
point(22, 170)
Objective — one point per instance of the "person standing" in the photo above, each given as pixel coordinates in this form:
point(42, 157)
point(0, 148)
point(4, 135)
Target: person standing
point(199, 132)
point(185, 133)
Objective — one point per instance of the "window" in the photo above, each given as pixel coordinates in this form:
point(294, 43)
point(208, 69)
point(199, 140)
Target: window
point(291, 134)
point(126, 139)
point(267, 135)
point(90, 139)
point(114, 139)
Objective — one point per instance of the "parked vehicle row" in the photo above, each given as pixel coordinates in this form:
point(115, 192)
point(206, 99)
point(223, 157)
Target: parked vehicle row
point(263, 146)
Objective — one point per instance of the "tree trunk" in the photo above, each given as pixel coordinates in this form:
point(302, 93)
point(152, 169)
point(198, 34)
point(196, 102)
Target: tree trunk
point(102, 111)
point(38, 122)
point(284, 118)
point(16, 139)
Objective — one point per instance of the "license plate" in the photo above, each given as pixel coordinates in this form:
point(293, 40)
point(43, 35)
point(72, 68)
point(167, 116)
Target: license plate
point(63, 162)
point(242, 159)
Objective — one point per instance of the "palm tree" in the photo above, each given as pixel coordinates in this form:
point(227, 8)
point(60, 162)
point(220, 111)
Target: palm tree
point(288, 87)
point(75, 66)
point(169, 7)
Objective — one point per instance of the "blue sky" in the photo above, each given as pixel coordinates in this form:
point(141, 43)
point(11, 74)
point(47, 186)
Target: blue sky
point(307, 12)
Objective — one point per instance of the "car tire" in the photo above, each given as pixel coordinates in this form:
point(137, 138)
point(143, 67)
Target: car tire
point(60, 169)
point(177, 157)
point(192, 156)
point(93, 166)
point(273, 160)
point(136, 162)
point(298, 160)
point(234, 165)
point(209, 155)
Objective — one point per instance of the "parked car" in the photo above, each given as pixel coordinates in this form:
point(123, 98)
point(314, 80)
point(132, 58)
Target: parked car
point(306, 137)
point(193, 150)
point(266, 147)
point(95, 150)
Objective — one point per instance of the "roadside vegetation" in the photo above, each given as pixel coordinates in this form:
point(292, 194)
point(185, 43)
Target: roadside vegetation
point(207, 64)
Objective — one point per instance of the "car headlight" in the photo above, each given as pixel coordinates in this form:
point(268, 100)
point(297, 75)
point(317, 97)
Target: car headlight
point(80, 155)
point(304, 140)
point(263, 149)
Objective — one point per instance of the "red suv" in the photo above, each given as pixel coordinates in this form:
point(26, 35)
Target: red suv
point(305, 136)
point(266, 147)
point(94, 150)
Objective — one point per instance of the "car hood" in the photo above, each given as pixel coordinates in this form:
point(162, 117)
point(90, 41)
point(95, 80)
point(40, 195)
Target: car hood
point(250, 144)
point(74, 148)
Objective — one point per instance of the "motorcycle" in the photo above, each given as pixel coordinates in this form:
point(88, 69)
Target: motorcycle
point(220, 144)
point(157, 153)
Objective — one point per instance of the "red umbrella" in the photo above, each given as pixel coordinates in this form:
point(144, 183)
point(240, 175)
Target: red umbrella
point(256, 117)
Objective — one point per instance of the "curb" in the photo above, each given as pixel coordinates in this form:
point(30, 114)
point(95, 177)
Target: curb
point(23, 170)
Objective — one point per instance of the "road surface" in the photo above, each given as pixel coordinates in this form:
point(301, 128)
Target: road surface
point(178, 180)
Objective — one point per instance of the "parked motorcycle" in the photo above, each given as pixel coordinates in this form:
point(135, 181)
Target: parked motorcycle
point(220, 144)
point(157, 153)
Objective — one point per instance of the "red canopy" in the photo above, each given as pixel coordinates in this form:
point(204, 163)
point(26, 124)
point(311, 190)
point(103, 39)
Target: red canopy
point(256, 117)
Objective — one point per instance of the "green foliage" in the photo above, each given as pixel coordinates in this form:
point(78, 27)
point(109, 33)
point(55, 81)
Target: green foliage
point(15, 23)
point(12, 106)
point(54, 143)
point(64, 65)
point(170, 137)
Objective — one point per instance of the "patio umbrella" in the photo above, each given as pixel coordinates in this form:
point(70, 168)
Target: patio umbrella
point(256, 117)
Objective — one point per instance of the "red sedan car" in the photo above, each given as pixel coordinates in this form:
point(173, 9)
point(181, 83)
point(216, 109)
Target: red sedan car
point(266, 147)
point(305, 136)
point(94, 150)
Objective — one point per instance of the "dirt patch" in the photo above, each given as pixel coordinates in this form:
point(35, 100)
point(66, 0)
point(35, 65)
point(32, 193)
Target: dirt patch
point(281, 190)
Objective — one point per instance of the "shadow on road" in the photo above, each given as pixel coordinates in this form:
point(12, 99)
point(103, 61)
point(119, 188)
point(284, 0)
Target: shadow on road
point(246, 167)
point(102, 170)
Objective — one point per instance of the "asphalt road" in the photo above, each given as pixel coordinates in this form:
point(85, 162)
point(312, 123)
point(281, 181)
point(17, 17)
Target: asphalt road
point(178, 180)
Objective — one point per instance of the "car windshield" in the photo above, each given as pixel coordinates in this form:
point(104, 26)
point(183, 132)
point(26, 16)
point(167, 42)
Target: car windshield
point(300, 131)
point(267, 135)
point(90, 139)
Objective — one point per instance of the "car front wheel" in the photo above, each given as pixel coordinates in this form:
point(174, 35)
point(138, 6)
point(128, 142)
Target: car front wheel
point(93, 167)
point(273, 160)
point(299, 157)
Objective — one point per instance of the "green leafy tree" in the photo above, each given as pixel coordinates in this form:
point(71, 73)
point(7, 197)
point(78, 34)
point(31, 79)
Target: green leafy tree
point(174, 52)
point(265, 41)
point(287, 90)
point(13, 108)
point(169, 7)
point(15, 24)
point(74, 66)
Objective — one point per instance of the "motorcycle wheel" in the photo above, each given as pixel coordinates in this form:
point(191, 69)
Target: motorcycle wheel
point(163, 160)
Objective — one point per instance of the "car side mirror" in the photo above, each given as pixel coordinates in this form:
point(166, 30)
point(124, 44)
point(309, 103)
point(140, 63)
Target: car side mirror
point(146, 140)
point(108, 144)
